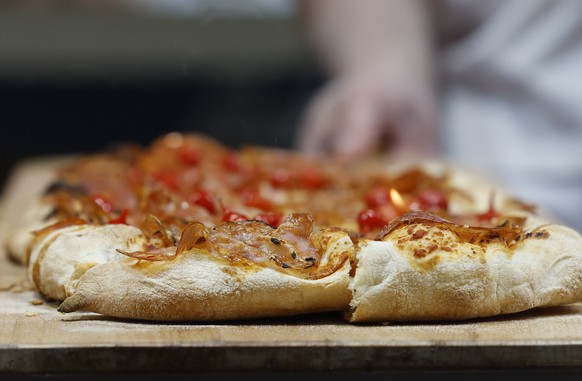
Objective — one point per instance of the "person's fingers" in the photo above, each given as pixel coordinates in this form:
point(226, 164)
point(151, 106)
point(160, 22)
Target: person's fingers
point(421, 124)
point(317, 125)
point(416, 132)
point(350, 119)
point(358, 128)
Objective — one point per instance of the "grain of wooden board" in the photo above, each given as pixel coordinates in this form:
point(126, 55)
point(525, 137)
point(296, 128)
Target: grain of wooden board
point(35, 338)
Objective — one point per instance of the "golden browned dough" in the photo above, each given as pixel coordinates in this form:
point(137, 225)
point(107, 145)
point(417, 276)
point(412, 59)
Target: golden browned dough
point(427, 269)
point(199, 286)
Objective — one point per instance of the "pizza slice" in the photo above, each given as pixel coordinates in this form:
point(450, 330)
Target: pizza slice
point(423, 267)
point(237, 270)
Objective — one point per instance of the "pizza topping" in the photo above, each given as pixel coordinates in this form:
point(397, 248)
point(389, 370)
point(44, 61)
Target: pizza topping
point(189, 155)
point(308, 178)
point(281, 178)
point(509, 233)
point(295, 245)
point(203, 198)
point(230, 162)
point(231, 216)
point(252, 198)
point(432, 200)
point(67, 206)
point(370, 220)
point(376, 196)
point(312, 179)
point(166, 178)
point(271, 218)
point(299, 229)
point(194, 234)
point(491, 213)
point(103, 202)
point(385, 202)
point(121, 219)
point(157, 233)
point(65, 186)
point(58, 225)
point(151, 253)
point(201, 191)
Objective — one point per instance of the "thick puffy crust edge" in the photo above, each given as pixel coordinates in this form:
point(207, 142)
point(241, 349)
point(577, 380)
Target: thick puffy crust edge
point(197, 286)
point(21, 235)
point(392, 285)
point(68, 252)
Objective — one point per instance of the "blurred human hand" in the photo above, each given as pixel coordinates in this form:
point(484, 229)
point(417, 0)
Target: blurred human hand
point(372, 109)
point(381, 92)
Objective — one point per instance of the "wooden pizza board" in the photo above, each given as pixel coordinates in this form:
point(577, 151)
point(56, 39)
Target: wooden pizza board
point(35, 338)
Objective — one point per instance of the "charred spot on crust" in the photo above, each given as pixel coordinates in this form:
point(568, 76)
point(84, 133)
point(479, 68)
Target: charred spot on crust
point(534, 234)
point(64, 186)
point(311, 261)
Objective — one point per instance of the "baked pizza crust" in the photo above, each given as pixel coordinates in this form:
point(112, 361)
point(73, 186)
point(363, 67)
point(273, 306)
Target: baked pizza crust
point(20, 236)
point(72, 250)
point(199, 286)
point(392, 284)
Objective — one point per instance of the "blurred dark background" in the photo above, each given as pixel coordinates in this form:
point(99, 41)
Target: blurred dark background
point(79, 76)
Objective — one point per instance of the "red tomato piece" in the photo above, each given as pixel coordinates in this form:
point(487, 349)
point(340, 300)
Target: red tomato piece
point(122, 219)
point(202, 198)
point(371, 219)
point(189, 155)
point(489, 214)
point(233, 216)
point(231, 162)
point(376, 196)
point(313, 179)
point(281, 178)
point(274, 219)
point(252, 198)
point(134, 176)
point(432, 199)
point(167, 179)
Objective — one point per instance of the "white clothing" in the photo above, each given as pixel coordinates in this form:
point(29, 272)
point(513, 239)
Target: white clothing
point(513, 98)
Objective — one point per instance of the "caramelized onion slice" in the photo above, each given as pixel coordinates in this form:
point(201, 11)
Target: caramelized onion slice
point(193, 234)
point(508, 232)
point(152, 253)
point(157, 232)
point(295, 244)
point(58, 225)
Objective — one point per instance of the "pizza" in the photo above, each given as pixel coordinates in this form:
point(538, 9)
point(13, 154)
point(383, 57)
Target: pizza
point(189, 229)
